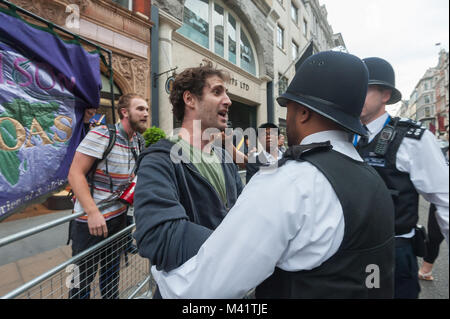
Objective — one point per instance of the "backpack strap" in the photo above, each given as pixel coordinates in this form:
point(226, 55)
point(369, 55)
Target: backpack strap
point(111, 142)
point(140, 143)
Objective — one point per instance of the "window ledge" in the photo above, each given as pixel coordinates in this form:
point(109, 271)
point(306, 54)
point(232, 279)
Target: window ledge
point(282, 50)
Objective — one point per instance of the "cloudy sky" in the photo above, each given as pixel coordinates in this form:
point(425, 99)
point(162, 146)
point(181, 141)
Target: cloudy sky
point(403, 32)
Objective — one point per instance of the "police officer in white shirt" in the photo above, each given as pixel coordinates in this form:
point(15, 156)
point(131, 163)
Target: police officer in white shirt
point(270, 153)
point(408, 158)
point(321, 225)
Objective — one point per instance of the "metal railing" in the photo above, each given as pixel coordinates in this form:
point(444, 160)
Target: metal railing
point(109, 269)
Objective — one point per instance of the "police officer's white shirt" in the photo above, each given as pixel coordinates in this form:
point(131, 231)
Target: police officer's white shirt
point(289, 218)
point(424, 162)
point(269, 157)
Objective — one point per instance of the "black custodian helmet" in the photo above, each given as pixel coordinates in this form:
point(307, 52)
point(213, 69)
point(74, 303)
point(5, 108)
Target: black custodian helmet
point(381, 73)
point(332, 84)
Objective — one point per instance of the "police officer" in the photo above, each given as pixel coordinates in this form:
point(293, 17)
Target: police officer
point(270, 153)
point(409, 160)
point(302, 231)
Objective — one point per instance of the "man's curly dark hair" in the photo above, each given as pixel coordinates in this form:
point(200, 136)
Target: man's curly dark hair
point(192, 80)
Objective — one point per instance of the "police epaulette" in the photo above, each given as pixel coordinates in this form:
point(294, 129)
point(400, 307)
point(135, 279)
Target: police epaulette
point(415, 132)
point(414, 129)
point(408, 122)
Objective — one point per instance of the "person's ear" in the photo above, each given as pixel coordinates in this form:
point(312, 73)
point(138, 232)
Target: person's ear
point(386, 95)
point(189, 99)
point(303, 114)
point(124, 112)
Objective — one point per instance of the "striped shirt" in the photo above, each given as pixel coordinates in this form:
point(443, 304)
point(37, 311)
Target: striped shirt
point(120, 166)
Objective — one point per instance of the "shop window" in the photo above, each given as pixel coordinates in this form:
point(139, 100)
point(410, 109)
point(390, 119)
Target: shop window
point(305, 28)
point(282, 84)
point(280, 37)
point(294, 51)
point(202, 18)
point(105, 99)
point(218, 29)
point(247, 58)
point(294, 13)
point(231, 27)
point(125, 3)
point(195, 18)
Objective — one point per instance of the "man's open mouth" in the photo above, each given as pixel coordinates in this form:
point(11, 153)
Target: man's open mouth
point(224, 114)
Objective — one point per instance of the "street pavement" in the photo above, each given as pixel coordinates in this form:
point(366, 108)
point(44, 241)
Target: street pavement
point(437, 289)
point(48, 248)
point(35, 244)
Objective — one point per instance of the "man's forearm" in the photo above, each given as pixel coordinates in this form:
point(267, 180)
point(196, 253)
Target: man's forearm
point(172, 243)
point(239, 158)
point(82, 192)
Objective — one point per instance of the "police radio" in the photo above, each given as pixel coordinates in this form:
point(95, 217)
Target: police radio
point(386, 136)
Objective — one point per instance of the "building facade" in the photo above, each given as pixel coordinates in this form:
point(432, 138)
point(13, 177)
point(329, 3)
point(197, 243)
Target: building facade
point(256, 41)
point(298, 23)
point(429, 101)
point(442, 96)
point(403, 109)
point(234, 35)
point(122, 26)
point(425, 107)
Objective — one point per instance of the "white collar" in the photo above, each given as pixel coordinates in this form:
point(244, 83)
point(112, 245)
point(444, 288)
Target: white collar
point(339, 139)
point(332, 136)
point(376, 125)
point(269, 156)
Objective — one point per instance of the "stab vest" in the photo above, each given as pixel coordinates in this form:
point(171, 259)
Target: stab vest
point(363, 266)
point(404, 194)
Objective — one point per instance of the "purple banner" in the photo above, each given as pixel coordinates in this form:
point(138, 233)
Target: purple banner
point(45, 85)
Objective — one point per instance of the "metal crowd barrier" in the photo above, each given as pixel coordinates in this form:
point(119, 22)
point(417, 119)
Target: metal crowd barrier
point(114, 253)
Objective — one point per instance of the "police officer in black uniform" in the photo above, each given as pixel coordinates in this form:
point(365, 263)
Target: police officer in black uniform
point(408, 158)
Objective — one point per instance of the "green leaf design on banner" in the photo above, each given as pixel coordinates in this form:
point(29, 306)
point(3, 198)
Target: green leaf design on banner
point(23, 112)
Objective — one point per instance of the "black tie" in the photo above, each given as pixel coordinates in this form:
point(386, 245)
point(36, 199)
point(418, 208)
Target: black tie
point(295, 152)
point(364, 140)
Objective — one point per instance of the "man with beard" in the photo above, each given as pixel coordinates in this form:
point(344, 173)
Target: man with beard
point(322, 224)
point(94, 177)
point(186, 184)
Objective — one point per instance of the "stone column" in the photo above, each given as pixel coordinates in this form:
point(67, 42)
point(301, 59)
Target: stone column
point(167, 25)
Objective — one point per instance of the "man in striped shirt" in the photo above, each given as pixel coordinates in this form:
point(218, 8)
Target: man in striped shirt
point(115, 170)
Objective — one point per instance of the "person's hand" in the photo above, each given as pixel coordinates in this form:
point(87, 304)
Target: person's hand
point(227, 140)
point(97, 224)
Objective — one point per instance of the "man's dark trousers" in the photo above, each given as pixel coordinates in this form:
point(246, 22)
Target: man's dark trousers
point(109, 259)
point(406, 270)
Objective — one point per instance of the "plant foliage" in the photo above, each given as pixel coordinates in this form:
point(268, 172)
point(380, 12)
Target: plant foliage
point(152, 135)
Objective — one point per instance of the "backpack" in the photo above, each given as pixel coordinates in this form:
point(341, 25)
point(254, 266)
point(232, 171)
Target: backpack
point(91, 172)
point(111, 142)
